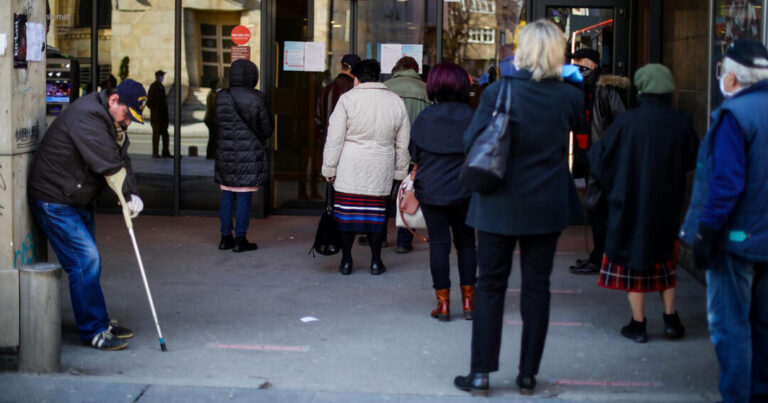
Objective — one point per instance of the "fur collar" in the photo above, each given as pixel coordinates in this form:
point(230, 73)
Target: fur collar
point(614, 81)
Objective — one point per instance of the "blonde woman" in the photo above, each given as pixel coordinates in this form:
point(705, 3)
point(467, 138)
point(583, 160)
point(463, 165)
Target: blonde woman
point(530, 207)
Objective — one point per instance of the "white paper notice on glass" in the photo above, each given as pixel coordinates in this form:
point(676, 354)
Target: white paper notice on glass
point(35, 42)
point(390, 54)
point(416, 52)
point(314, 56)
point(293, 56)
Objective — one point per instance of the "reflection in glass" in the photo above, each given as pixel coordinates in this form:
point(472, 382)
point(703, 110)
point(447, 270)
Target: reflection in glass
point(479, 34)
point(591, 28)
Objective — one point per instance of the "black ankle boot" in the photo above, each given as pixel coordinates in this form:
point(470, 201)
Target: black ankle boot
point(673, 328)
point(635, 331)
point(227, 242)
point(475, 383)
point(345, 267)
point(378, 268)
point(526, 383)
point(242, 245)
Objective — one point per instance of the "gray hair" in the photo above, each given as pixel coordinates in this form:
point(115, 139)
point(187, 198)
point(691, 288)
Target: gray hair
point(541, 50)
point(746, 75)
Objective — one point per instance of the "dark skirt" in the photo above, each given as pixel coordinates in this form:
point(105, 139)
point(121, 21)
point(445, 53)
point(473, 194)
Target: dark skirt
point(660, 278)
point(360, 213)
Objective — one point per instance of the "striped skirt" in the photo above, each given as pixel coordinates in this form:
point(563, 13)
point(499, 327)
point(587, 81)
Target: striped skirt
point(360, 213)
point(618, 277)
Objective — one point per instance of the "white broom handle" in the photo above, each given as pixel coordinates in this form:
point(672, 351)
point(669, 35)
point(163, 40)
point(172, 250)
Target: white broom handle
point(146, 283)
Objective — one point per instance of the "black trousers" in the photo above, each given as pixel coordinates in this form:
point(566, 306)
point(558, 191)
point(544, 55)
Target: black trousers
point(441, 221)
point(158, 131)
point(537, 253)
point(599, 219)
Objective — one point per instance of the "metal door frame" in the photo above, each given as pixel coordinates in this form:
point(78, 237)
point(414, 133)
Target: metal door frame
point(621, 35)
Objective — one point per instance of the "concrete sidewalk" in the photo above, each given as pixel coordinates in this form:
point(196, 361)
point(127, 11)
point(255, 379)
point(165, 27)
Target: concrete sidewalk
point(232, 323)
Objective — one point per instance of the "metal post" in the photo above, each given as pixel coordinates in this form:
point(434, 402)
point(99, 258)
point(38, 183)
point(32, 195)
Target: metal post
point(95, 45)
point(353, 27)
point(439, 29)
point(177, 109)
point(40, 318)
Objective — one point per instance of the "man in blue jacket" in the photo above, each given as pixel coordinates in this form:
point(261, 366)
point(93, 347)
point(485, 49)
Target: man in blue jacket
point(727, 223)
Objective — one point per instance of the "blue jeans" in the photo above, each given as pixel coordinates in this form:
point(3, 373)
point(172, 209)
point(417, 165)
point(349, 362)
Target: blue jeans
point(242, 215)
point(737, 310)
point(71, 233)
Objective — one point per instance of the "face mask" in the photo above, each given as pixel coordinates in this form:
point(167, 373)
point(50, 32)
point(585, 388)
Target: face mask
point(722, 87)
point(162, 78)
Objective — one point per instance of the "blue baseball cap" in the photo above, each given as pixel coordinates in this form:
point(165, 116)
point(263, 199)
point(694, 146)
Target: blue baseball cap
point(135, 97)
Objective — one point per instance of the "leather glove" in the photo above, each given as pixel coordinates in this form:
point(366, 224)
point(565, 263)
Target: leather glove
point(702, 246)
point(135, 205)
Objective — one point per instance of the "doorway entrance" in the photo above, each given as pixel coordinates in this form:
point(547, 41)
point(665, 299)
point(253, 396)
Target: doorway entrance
point(602, 25)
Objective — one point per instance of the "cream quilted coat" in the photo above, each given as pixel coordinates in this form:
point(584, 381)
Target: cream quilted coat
point(367, 143)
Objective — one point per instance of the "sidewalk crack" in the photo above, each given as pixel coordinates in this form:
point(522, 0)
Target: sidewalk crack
point(146, 387)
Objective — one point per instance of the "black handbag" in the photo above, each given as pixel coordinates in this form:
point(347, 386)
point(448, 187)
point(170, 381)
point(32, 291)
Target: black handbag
point(486, 161)
point(327, 238)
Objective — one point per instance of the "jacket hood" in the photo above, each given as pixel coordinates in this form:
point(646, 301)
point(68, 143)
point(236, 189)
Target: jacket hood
point(607, 80)
point(243, 74)
point(439, 128)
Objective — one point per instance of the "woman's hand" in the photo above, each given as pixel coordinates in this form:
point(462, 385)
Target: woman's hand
point(330, 179)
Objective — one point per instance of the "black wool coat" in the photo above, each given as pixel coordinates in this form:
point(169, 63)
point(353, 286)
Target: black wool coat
point(436, 146)
point(244, 124)
point(641, 163)
point(537, 195)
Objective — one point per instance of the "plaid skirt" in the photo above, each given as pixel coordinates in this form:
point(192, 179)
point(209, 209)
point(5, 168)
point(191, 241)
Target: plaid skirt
point(617, 277)
point(360, 213)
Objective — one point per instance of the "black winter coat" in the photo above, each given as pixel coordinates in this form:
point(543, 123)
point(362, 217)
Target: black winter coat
point(78, 150)
point(641, 163)
point(437, 147)
point(158, 104)
point(244, 124)
point(537, 194)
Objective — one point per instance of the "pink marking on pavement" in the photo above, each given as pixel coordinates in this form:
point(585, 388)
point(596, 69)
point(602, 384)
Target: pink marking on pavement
point(261, 347)
point(564, 324)
point(573, 291)
point(602, 383)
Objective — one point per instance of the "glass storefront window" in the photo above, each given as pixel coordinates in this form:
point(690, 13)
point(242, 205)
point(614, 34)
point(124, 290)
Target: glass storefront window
point(401, 22)
point(478, 34)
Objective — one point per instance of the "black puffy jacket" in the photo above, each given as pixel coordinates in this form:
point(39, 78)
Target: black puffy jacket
point(244, 125)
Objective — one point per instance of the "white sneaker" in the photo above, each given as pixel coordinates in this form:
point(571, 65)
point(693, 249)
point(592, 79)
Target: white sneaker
point(106, 341)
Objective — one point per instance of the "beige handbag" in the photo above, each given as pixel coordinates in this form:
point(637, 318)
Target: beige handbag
point(409, 213)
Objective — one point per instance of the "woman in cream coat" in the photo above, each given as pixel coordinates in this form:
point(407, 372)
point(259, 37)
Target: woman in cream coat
point(366, 149)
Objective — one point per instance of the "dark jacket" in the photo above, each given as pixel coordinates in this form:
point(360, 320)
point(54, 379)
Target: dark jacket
point(438, 149)
point(607, 103)
point(157, 104)
point(244, 124)
point(78, 149)
point(328, 99)
point(537, 193)
point(745, 232)
point(641, 163)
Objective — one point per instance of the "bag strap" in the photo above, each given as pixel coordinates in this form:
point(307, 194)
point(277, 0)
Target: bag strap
point(408, 227)
point(329, 198)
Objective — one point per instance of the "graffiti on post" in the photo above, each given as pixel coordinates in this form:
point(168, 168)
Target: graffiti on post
point(29, 252)
point(27, 136)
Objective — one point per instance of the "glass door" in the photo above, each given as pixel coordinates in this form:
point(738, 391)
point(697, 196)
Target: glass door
point(297, 186)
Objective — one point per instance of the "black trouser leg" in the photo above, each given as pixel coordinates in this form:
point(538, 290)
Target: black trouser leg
point(347, 240)
point(495, 263)
point(166, 140)
point(439, 231)
point(599, 220)
point(375, 240)
point(155, 139)
point(464, 241)
point(537, 254)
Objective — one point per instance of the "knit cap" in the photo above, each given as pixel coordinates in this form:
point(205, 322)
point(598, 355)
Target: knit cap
point(654, 79)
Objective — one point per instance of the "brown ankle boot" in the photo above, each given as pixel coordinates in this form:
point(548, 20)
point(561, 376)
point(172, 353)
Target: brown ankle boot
point(467, 300)
point(443, 310)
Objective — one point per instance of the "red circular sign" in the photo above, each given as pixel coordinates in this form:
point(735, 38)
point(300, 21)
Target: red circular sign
point(241, 35)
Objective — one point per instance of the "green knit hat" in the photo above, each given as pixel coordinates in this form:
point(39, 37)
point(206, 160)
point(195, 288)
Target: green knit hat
point(654, 79)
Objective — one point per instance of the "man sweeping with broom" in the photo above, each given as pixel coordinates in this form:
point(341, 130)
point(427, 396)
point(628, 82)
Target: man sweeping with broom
point(83, 148)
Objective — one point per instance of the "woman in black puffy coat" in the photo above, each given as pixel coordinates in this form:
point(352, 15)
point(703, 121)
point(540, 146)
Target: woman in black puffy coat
point(244, 125)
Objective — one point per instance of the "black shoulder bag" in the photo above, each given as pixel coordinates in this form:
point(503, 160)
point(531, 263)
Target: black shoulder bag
point(486, 161)
point(327, 238)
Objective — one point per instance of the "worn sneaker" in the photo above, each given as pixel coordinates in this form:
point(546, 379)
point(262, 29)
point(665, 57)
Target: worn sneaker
point(119, 331)
point(107, 341)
